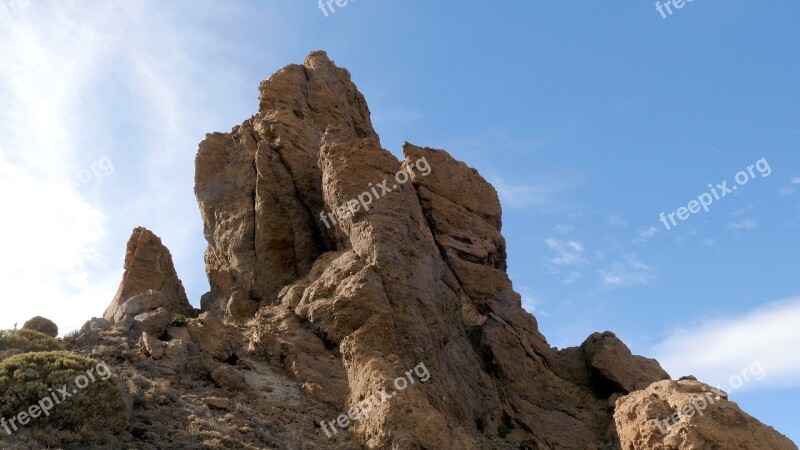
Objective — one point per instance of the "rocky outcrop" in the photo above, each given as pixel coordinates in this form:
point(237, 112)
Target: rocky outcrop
point(150, 294)
point(688, 414)
point(361, 301)
point(42, 325)
point(259, 187)
point(353, 290)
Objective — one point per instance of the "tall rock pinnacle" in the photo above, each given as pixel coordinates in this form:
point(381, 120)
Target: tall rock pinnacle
point(416, 278)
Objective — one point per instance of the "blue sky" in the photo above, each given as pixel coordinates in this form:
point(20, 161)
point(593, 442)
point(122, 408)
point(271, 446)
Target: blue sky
point(591, 119)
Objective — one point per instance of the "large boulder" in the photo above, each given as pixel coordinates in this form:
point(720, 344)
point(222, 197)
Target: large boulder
point(220, 341)
point(42, 325)
point(614, 368)
point(688, 414)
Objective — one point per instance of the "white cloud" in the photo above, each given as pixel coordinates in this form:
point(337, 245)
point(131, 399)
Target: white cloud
point(519, 196)
point(646, 235)
point(545, 193)
point(564, 229)
point(568, 253)
point(617, 221)
point(52, 235)
point(791, 189)
point(747, 224)
point(573, 278)
point(627, 272)
point(722, 347)
point(80, 81)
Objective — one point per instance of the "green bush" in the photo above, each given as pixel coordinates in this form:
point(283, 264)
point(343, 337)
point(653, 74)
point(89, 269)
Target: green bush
point(180, 321)
point(25, 341)
point(28, 378)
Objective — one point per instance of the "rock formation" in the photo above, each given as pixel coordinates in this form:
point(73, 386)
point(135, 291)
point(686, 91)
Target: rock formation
point(688, 414)
point(415, 276)
point(150, 294)
point(361, 301)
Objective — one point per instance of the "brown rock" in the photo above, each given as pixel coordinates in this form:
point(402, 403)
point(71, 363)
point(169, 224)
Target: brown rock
point(149, 281)
point(217, 403)
point(153, 322)
point(415, 277)
point(260, 186)
point(615, 369)
point(228, 377)
point(155, 348)
point(220, 341)
point(689, 415)
point(181, 333)
point(42, 325)
point(176, 355)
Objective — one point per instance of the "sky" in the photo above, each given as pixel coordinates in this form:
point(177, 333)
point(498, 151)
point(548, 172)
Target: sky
point(592, 119)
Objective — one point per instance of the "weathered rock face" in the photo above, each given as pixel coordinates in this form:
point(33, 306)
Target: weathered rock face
point(260, 186)
point(401, 276)
point(150, 293)
point(690, 415)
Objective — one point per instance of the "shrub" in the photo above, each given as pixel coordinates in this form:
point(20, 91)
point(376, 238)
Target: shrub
point(25, 341)
point(28, 378)
point(503, 430)
point(180, 321)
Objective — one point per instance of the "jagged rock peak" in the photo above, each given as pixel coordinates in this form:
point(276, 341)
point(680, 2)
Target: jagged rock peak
point(150, 290)
point(360, 270)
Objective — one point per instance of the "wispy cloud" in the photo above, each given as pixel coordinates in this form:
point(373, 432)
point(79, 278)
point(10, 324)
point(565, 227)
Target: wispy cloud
point(746, 224)
point(794, 183)
point(629, 271)
point(80, 81)
point(543, 192)
point(564, 229)
point(646, 234)
point(572, 277)
point(567, 253)
point(721, 347)
point(617, 221)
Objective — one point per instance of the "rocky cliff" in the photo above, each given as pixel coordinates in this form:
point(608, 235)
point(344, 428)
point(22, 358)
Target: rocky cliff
point(361, 301)
point(350, 285)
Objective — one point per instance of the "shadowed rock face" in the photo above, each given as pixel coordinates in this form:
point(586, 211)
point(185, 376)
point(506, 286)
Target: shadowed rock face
point(417, 278)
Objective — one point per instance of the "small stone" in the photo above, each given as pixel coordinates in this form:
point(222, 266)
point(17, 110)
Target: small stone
point(217, 403)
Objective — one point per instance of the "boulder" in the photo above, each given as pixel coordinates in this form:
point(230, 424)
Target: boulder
point(155, 348)
point(220, 341)
point(42, 325)
point(688, 414)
